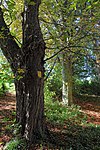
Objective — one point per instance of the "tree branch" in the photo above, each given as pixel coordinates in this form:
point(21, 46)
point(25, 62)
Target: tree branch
point(66, 47)
point(50, 70)
point(9, 47)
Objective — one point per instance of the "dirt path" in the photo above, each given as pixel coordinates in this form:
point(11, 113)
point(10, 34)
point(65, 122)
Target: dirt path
point(92, 109)
point(7, 108)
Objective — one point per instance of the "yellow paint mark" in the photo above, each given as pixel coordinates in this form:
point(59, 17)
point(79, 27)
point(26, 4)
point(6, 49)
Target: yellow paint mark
point(39, 74)
point(20, 70)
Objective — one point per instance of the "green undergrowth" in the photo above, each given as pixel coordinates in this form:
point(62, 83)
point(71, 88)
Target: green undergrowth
point(88, 98)
point(16, 144)
point(60, 114)
point(75, 133)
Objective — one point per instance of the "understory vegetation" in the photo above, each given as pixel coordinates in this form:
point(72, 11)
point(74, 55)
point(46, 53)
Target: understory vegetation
point(69, 127)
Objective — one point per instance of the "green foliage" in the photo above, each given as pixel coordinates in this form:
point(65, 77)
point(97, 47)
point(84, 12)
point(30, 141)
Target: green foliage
point(57, 113)
point(30, 2)
point(78, 133)
point(86, 138)
point(68, 23)
point(47, 94)
point(16, 144)
point(54, 83)
point(91, 87)
point(6, 75)
point(13, 18)
point(70, 26)
point(55, 86)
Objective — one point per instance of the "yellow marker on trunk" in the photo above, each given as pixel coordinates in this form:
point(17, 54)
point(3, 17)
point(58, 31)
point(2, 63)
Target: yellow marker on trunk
point(39, 74)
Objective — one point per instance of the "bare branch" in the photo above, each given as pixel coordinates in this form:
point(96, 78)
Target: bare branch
point(66, 49)
point(51, 69)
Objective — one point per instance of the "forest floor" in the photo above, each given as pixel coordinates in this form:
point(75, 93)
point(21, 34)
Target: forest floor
point(74, 137)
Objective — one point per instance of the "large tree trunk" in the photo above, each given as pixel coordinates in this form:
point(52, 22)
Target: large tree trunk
point(27, 64)
point(30, 102)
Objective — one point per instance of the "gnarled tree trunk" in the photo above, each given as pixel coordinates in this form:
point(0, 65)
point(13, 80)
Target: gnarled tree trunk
point(28, 67)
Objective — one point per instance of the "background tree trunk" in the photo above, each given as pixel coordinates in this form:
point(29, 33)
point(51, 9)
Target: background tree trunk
point(64, 81)
point(67, 79)
point(98, 65)
point(70, 81)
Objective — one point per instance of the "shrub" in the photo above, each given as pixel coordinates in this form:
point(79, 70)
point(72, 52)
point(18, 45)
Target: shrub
point(87, 87)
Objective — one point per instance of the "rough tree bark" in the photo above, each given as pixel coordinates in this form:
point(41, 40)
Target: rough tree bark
point(27, 64)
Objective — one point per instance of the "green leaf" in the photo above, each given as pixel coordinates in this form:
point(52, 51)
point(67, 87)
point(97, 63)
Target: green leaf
point(32, 3)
